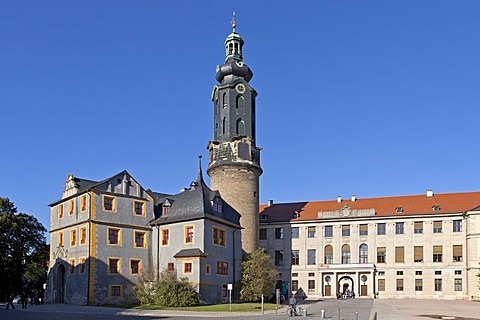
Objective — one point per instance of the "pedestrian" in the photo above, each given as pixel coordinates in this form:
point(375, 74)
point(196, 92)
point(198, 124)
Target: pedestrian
point(24, 300)
point(10, 301)
point(293, 303)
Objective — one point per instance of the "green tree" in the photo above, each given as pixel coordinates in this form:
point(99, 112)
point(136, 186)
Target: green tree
point(23, 249)
point(258, 276)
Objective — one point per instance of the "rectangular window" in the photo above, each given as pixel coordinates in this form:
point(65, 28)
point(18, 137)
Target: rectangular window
point(346, 231)
point(418, 273)
point(278, 233)
point(457, 226)
point(171, 266)
point(60, 239)
point(219, 237)
point(417, 254)
point(295, 257)
point(165, 237)
point(328, 231)
point(311, 257)
point(457, 253)
point(165, 211)
point(188, 234)
point(115, 291)
point(140, 239)
point(381, 228)
point(418, 227)
point(312, 232)
point(437, 226)
point(60, 211)
point(311, 285)
point(438, 272)
point(399, 284)
point(279, 257)
point(83, 203)
point(399, 273)
point(458, 271)
point(108, 203)
point(83, 235)
point(114, 236)
point(437, 253)
point(364, 229)
point(208, 269)
point(187, 267)
point(139, 208)
point(73, 238)
point(71, 206)
point(458, 284)
point(113, 265)
point(381, 284)
point(71, 264)
point(418, 285)
point(135, 266)
point(224, 291)
point(381, 254)
point(82, 264)
point(294, 285)
point(438, 284)
point(222, 267)
point(399, 227)
point(263, 234)
point(381, 273)
point(399, 254)
point(295, 232)
point(311, 274)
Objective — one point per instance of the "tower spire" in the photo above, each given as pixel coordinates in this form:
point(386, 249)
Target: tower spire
point(233, 22)
point(200, 175)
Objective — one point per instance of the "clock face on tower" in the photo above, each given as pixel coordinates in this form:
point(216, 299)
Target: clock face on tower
point(240, 88)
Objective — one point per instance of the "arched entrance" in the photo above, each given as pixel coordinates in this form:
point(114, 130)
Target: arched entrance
point(59, 285)
point(345, 284)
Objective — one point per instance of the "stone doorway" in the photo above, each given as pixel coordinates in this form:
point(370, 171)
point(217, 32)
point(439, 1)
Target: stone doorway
point(59, 286)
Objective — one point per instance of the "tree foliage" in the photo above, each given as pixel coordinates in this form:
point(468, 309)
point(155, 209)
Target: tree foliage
point(258, 276)
point(167, 291)
point(23, 250)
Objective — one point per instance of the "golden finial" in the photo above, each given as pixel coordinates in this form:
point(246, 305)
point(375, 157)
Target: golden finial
point(234, 25)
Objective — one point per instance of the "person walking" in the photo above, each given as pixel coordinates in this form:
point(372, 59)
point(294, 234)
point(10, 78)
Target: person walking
point(24, 299)
point(10, 301)
point(293, 303)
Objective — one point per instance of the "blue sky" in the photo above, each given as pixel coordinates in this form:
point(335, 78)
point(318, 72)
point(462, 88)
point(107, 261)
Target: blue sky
point(373, 98)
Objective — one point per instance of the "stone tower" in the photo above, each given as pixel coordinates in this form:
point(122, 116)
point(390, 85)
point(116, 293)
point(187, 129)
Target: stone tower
point(234, 159)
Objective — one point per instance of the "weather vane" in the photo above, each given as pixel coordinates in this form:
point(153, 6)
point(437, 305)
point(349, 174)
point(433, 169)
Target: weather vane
point(234, 25)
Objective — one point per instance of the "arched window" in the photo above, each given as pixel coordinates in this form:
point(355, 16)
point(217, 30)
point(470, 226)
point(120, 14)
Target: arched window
point(224, 100)
point(240, 102)
point(328, 254)
point(224, 125)
point(230, 48)
point(363, 255)
point(240, 126)
point(345, 254)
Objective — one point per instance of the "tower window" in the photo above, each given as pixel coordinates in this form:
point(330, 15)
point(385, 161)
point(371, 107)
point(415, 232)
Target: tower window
point(224, 126)
point(240, 126)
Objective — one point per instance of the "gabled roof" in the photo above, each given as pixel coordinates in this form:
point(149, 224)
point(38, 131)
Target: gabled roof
point(385, 206)
point(188, 253)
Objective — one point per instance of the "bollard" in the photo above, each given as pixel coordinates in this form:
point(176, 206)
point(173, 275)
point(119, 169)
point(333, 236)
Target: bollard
point(356, 315)
point(322, 314)
point(304, 312)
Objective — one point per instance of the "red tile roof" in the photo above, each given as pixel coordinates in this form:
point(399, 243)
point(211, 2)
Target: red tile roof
point(385, 206)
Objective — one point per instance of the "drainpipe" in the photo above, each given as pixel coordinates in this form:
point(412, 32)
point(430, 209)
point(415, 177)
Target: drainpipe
point(157, 272)
point(89, 240)
point(464, 215)
point(234, 257)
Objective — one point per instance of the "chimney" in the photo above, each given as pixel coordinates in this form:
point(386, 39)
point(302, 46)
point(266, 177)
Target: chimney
point(270, 203)
point(354, 198)
point(429, 193)
point(339, 199)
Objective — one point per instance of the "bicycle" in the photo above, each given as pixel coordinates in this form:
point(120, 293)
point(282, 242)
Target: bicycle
point(298, 311)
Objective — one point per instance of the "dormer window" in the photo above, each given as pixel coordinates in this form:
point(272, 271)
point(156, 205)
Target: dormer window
point(436, 208)
point(165, 210)
point(295, 215)
point(217, 205)
point(399, 209)
point(263, 218)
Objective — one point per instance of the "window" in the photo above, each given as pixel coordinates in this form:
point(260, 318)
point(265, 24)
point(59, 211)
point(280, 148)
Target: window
point(115, 291)
point(364, 229)
point(60, 211)
point(188, 234)
point(113, 265)
point(437, 226)
point(279, 257)
point(457, 225)
point(71, 264)
point(418, 273)
point(135, 266)
point(457, 253)
point(219, 237)
point(165, 237)
point(436, 208)
point(363, 253)
point(399, 284)
point(399, 273)
point(140, 239)
point(381, 284)
point(222, 267)
point(328, 231)
point(381, 255)
point(71, 206)
point(60, 239)
point(278, 233)
point(208, 269)
point(312, 232)
point(345, 254)
point(458, 271)
point(399, 209)
point(83, 203)
point(381, 273)
point(82, 264)
point(83, 235)
point(139, 208)
point(381, 228)
point(418, 284)
point(73, 238)
point(263, 234)
point(399, 227)
point(294, 274)
point(311, 285)
point(294, 285)
point(399, 254)
point(346, 231)
point(114, 236)
point(458, 284)
point(165, 210)
point(328, 258)
point(171, 267)
point(108, 203)
point(438, 272)
point(217, 205)
point(295, 258)
point(417, 254)
point(437, 254)
point(311, 274)
point(311, 256)
point(187, 267)
point(418, 227)
point(295, 232)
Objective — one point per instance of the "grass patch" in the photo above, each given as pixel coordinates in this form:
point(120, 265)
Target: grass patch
point(225, 307)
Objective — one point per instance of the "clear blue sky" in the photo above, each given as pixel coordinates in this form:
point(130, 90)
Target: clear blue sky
point(373, 98)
